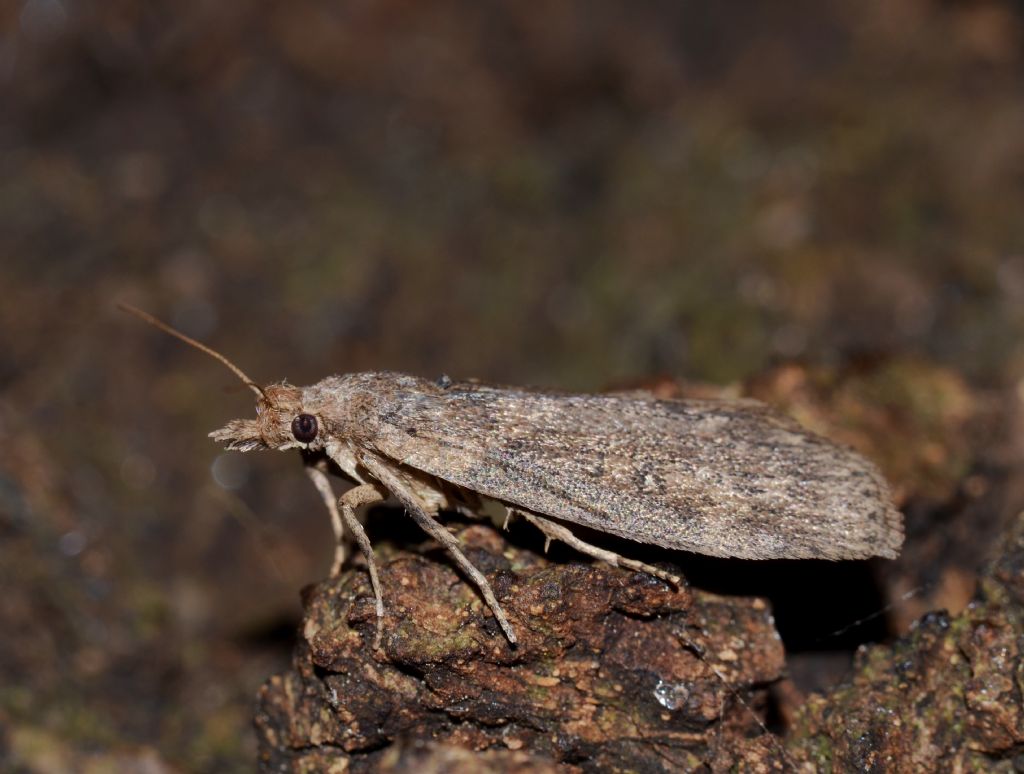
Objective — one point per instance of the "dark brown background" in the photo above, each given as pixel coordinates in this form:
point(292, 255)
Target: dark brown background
point(583, 196)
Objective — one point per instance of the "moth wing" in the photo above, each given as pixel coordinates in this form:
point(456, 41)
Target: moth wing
point(724, 478)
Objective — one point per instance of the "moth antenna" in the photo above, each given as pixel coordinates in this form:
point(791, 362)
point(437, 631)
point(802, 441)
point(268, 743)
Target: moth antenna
point(879, 612)
point(148, 318)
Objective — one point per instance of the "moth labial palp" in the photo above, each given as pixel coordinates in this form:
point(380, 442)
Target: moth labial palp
point(728, 478)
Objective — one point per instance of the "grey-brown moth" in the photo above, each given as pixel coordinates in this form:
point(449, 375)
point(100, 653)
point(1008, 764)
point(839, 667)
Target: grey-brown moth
point(729, 478)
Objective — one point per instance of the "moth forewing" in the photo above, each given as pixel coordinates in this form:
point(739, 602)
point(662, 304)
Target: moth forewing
point(721, 478)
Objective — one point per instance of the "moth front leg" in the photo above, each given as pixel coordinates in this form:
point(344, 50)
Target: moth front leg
point(365, 494)
point(384, 472)
point(318, 475)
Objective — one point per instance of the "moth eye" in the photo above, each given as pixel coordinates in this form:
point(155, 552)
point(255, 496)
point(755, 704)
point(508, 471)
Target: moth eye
point(304, 427)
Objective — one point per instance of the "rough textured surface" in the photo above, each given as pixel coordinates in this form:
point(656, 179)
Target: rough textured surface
point(617, 672)
point(614, 670)
point(947, 697)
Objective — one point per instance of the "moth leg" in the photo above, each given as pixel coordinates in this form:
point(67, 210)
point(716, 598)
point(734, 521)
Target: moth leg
point(383, 473)
point(555, 531)
point(364, 494)
point(323, 485)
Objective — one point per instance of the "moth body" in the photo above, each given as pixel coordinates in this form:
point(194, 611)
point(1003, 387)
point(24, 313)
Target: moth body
point(724, 478)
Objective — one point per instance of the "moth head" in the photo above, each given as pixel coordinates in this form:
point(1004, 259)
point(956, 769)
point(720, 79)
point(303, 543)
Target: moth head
point(281, 423)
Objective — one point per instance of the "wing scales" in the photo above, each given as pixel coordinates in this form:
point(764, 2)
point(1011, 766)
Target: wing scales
point(725, 478)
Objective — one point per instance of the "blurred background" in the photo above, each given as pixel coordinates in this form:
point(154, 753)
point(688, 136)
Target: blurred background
point(585, 195)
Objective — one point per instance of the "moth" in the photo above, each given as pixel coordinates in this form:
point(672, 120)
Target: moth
point(727, 478)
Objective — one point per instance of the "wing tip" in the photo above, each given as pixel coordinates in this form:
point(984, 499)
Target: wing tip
point(892, 533)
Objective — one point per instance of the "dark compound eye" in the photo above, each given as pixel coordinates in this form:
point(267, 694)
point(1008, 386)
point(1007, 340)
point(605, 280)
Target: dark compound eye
point(304, 428)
